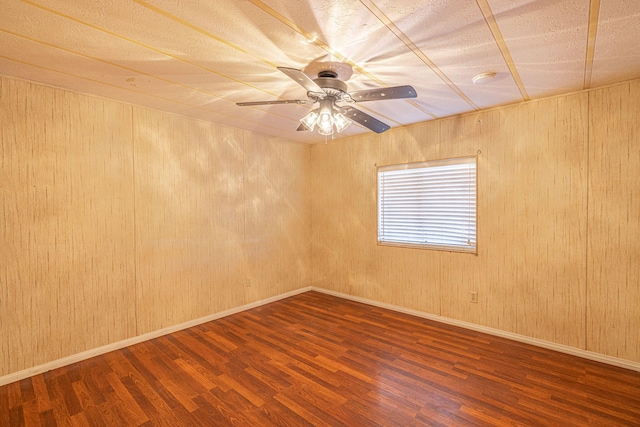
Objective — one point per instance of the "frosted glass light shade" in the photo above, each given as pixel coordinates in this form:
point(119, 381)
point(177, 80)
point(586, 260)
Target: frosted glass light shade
point(340, 122)
point(309, 121)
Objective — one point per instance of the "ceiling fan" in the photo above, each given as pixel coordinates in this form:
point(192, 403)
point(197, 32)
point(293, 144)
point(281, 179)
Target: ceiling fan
point(328, 89)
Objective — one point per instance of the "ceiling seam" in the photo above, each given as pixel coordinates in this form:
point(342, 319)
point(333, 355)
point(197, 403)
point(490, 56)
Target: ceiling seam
point(490, 19)
point(314, 39)
point(201, 31)
point(592, 32)
point(382, 17)
point(113, 64)
point(100, 82)
point(128, 90)
point(144, 45)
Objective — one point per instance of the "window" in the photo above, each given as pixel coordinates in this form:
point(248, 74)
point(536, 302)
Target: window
point(428, 205)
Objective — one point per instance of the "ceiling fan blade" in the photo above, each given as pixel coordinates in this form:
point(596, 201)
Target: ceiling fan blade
point(365, 120)
point(288, 101)
point(302, 79)
point(396, 92)
point(302, 128)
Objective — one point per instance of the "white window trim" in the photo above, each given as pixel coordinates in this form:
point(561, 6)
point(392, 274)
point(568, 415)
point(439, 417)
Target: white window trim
point(391, 241)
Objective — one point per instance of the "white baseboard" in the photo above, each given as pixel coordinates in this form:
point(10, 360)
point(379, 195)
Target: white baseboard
point(610, 360)
point(26, 373)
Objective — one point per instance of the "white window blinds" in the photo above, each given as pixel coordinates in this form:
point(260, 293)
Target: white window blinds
point(428, 205)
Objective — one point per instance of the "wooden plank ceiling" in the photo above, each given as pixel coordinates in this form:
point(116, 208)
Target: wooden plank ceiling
point(199, 58)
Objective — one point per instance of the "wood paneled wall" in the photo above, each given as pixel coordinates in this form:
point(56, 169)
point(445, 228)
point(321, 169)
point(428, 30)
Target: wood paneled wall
point(613, 263)
point(117, 220)
point(558, 220)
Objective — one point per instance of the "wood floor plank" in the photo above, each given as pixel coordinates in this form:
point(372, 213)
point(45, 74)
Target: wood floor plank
point(299, 406)
point(124, 403)
point(47, 418)
point(16, 416)
point(234, 407)
point(318, 360)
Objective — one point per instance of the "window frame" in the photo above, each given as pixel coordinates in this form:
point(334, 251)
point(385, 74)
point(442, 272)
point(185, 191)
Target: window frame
point(425, 164)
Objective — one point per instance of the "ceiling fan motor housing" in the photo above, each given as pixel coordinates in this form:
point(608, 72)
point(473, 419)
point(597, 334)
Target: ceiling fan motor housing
point(331, 78)
point(331, 85)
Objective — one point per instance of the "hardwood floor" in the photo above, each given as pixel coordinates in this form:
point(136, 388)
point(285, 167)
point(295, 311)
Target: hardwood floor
point(318, 360)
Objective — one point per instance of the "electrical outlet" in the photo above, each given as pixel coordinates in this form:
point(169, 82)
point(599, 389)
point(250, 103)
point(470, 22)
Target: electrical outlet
point(247, 282)
point(474, 297)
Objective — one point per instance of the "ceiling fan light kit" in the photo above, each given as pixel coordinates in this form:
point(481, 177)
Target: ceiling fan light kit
point(326, 118)
point(328, 89)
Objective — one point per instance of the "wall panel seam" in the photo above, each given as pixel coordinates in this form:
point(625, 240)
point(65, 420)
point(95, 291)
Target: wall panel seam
point(135, 223)
point(586, 220)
